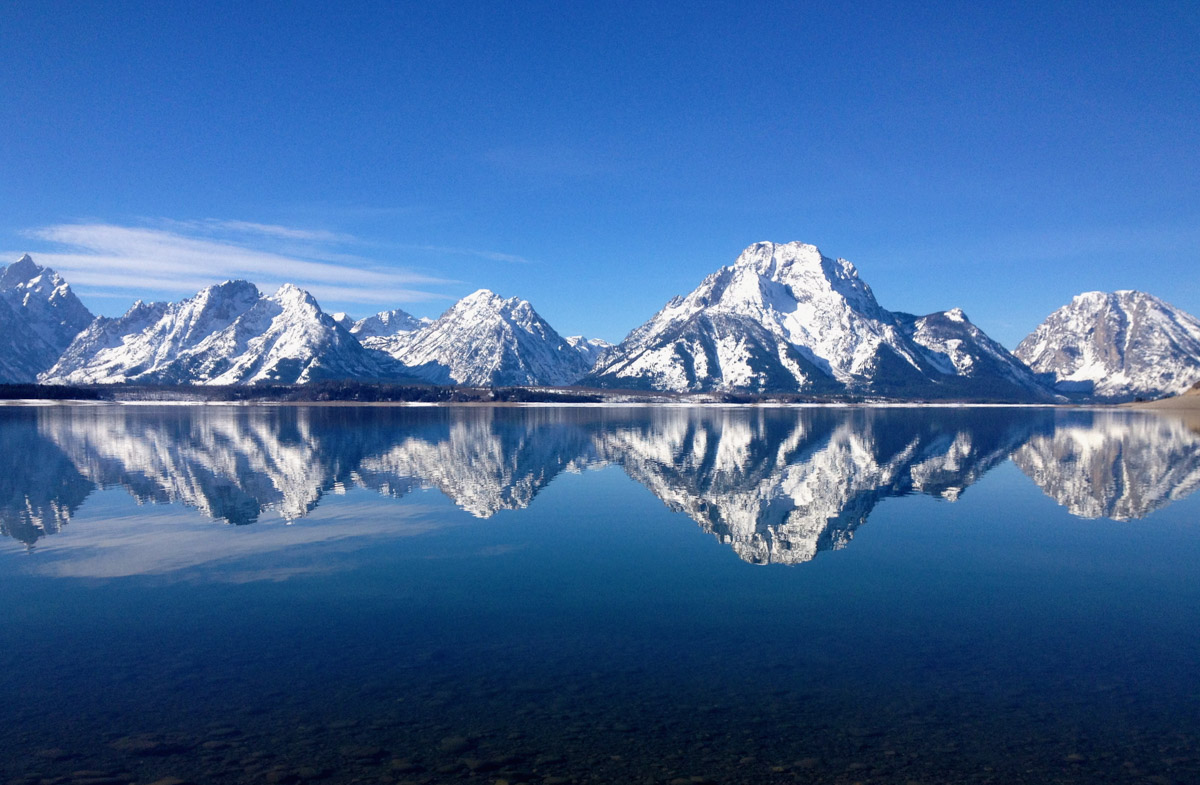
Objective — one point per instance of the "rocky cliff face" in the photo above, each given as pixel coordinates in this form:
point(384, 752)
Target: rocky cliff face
point(39, 317)
point(1116, 346)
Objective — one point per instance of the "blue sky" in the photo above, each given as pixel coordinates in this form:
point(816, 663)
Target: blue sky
point(598, 159)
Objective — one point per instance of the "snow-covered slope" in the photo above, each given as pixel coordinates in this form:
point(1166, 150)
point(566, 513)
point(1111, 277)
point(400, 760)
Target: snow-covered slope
point(1116, 346)
point(149, 337)
point(226, 334)
point(592, 349)
point(39, 316)
point(486, 340)
point(285, 338)
point(978, 365)
point(386, 323)
point(786, 318)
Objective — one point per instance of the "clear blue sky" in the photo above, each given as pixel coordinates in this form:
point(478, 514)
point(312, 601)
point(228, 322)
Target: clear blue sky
point(599, 159)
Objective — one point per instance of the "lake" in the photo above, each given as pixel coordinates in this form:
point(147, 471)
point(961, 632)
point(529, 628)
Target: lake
point(246, 594)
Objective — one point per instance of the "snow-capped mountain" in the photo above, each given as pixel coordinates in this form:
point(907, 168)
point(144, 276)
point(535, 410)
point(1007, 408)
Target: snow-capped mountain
point(39, 316)
point(386, 323)
point(1116, 346)
point(979, 365)
point(226, 334)
point(485, 340)
point(592, 349)
point(786, 318)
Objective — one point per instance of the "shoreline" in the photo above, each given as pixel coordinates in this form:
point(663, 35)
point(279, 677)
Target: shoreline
point(39, 402)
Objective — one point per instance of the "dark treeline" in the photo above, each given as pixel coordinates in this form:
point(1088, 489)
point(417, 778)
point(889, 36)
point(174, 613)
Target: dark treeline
point(383, 392)
point(315, 392)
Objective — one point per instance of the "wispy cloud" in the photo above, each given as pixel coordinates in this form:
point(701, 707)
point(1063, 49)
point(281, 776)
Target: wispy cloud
point(177, 257)
point(495, 256)
point(219, 226)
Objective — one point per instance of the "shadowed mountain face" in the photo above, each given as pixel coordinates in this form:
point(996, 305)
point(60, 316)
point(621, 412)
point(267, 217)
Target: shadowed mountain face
point(40, 488)
point(775, 485)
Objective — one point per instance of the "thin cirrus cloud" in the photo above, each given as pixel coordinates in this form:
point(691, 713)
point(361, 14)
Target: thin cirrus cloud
point(177, 257)
point(493, 256)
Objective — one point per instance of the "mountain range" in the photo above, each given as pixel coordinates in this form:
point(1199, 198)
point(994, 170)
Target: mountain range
point(782, 319)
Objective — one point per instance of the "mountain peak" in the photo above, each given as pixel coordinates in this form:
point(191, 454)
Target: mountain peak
point(290, 294)
point(385, 324)
point(484, 339)
point(20, 271)
point(482, 298)
point(228, 333)
point(289, 290)
point(39, 317)
point(1116, 346)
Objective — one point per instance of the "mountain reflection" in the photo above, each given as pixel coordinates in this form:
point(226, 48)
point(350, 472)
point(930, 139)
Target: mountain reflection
point(776, 485)
point(1108, 465)
point(781, 488)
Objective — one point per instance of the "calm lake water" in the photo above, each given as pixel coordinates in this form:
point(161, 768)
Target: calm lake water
point(573, 595)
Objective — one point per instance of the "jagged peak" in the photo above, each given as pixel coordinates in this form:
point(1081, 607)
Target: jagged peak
point(796, 261)
point(791, 250)
point(21, 271)
point(289, 293)
point(485, 301)
point(385, 323)
point(482, 297)
point(1122, 298)
point(237, 287)
point(141, 306)
point(575, 340)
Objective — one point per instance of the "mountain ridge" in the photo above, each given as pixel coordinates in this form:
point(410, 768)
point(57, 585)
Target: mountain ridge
point(781, 319)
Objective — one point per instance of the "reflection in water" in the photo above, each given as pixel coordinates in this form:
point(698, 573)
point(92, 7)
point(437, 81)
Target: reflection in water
point(782, 488)
point(776, 485)
point(1114, 466)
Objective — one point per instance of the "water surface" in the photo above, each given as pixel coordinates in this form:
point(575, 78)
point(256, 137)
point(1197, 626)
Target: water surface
point(284, 594)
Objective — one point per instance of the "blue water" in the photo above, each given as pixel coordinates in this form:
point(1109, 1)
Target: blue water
point(282, 594)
